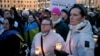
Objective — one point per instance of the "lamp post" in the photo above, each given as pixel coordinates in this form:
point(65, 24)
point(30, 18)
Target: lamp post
point(39, 4)
point(1, 4)
point(96, 2)
point(92, 3)
point(89, 3)
point(44, 4)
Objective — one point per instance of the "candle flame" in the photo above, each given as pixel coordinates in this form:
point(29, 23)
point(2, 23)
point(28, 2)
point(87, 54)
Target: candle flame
point(58, 46)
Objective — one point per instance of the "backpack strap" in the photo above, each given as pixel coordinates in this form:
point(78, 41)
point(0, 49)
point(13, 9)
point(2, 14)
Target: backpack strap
point(20, 37)
point(24, 49)
point(21, 40)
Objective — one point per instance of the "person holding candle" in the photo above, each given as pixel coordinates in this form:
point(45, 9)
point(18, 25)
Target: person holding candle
point(46, 41)
point(59, 26)
point(80, 37)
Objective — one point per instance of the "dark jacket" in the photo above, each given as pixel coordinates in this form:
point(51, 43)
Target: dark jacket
point(62, 29)
point(9, 43)
point(66, 21)
point(97, 17)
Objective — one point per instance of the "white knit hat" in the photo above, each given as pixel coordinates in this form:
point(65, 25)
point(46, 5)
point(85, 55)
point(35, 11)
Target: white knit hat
point(25, 12)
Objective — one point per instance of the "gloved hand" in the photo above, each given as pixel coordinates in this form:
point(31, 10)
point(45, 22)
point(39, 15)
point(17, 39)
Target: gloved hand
point(60, 53)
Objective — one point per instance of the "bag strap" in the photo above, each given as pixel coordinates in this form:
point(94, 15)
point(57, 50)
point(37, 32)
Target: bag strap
point(20, 37)
point(70, 46)
point(42, 46)
point(21, 40)
point(29, 41)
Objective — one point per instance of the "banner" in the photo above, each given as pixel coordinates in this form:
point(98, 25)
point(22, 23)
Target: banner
point(61, 4)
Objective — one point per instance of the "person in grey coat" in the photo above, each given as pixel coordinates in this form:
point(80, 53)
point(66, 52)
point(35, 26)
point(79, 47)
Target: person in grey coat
point(80, 37)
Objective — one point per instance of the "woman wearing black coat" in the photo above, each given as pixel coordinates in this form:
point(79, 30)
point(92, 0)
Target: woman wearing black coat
point(58, 24)
point(9, 41)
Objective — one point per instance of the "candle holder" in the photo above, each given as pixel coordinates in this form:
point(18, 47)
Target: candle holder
point(58, 46)
point(37, 51)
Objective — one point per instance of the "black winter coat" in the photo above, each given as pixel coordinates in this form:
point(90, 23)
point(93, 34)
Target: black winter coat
point(62, 29)
point(10, 45)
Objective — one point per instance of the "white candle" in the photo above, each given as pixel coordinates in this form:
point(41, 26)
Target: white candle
point(58, 46)
point(95, 38)
point(37, 51)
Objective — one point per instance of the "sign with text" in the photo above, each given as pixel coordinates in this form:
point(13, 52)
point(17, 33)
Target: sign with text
point(61, 4)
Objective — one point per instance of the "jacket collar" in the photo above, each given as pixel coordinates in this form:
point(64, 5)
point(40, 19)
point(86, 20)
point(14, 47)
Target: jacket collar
point(84, 26)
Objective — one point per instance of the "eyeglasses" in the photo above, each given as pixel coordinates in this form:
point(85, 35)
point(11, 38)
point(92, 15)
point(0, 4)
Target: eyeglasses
point(45, 24)
point(53, 14)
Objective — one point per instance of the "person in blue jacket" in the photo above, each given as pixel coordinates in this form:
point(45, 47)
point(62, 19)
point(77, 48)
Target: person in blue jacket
point(30, 29)
point(9, 41)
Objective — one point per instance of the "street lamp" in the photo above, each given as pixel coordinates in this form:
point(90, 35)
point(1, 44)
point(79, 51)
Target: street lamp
point(92, 3)
point(39, 4)
point(44, 4)
point(89, 3)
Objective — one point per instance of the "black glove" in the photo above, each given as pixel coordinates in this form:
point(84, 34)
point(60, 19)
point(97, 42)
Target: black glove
point(60, 53)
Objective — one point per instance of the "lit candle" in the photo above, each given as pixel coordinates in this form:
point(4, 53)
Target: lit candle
point(58, 46)
point(54, 30)
point(37, 51)
point(95, 38)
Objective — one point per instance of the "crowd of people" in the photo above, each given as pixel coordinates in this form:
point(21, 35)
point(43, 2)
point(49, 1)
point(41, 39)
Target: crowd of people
point(66, 32)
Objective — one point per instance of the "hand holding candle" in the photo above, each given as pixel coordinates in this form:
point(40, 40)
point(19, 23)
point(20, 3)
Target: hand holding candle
point(37, 51)
point(58, 46)
point(95, 38)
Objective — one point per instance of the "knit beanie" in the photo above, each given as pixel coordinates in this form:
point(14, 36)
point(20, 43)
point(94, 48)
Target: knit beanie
point(25, 12)
point(65, 10)
point(55, 10)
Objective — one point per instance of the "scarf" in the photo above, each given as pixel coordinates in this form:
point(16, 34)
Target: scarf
point(45, 33)
point(78, 26)
point(55, 22)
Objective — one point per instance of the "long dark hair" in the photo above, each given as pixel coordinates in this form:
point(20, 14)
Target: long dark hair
point(11, 22)
point(83, 11)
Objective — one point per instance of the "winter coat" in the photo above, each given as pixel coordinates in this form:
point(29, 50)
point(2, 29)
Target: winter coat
point(9, 43)
point(62, 29)
point(80, 40)
point(30, 29)
point(49, 43)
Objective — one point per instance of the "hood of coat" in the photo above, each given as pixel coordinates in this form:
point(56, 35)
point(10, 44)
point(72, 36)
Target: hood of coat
point(84, 26)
